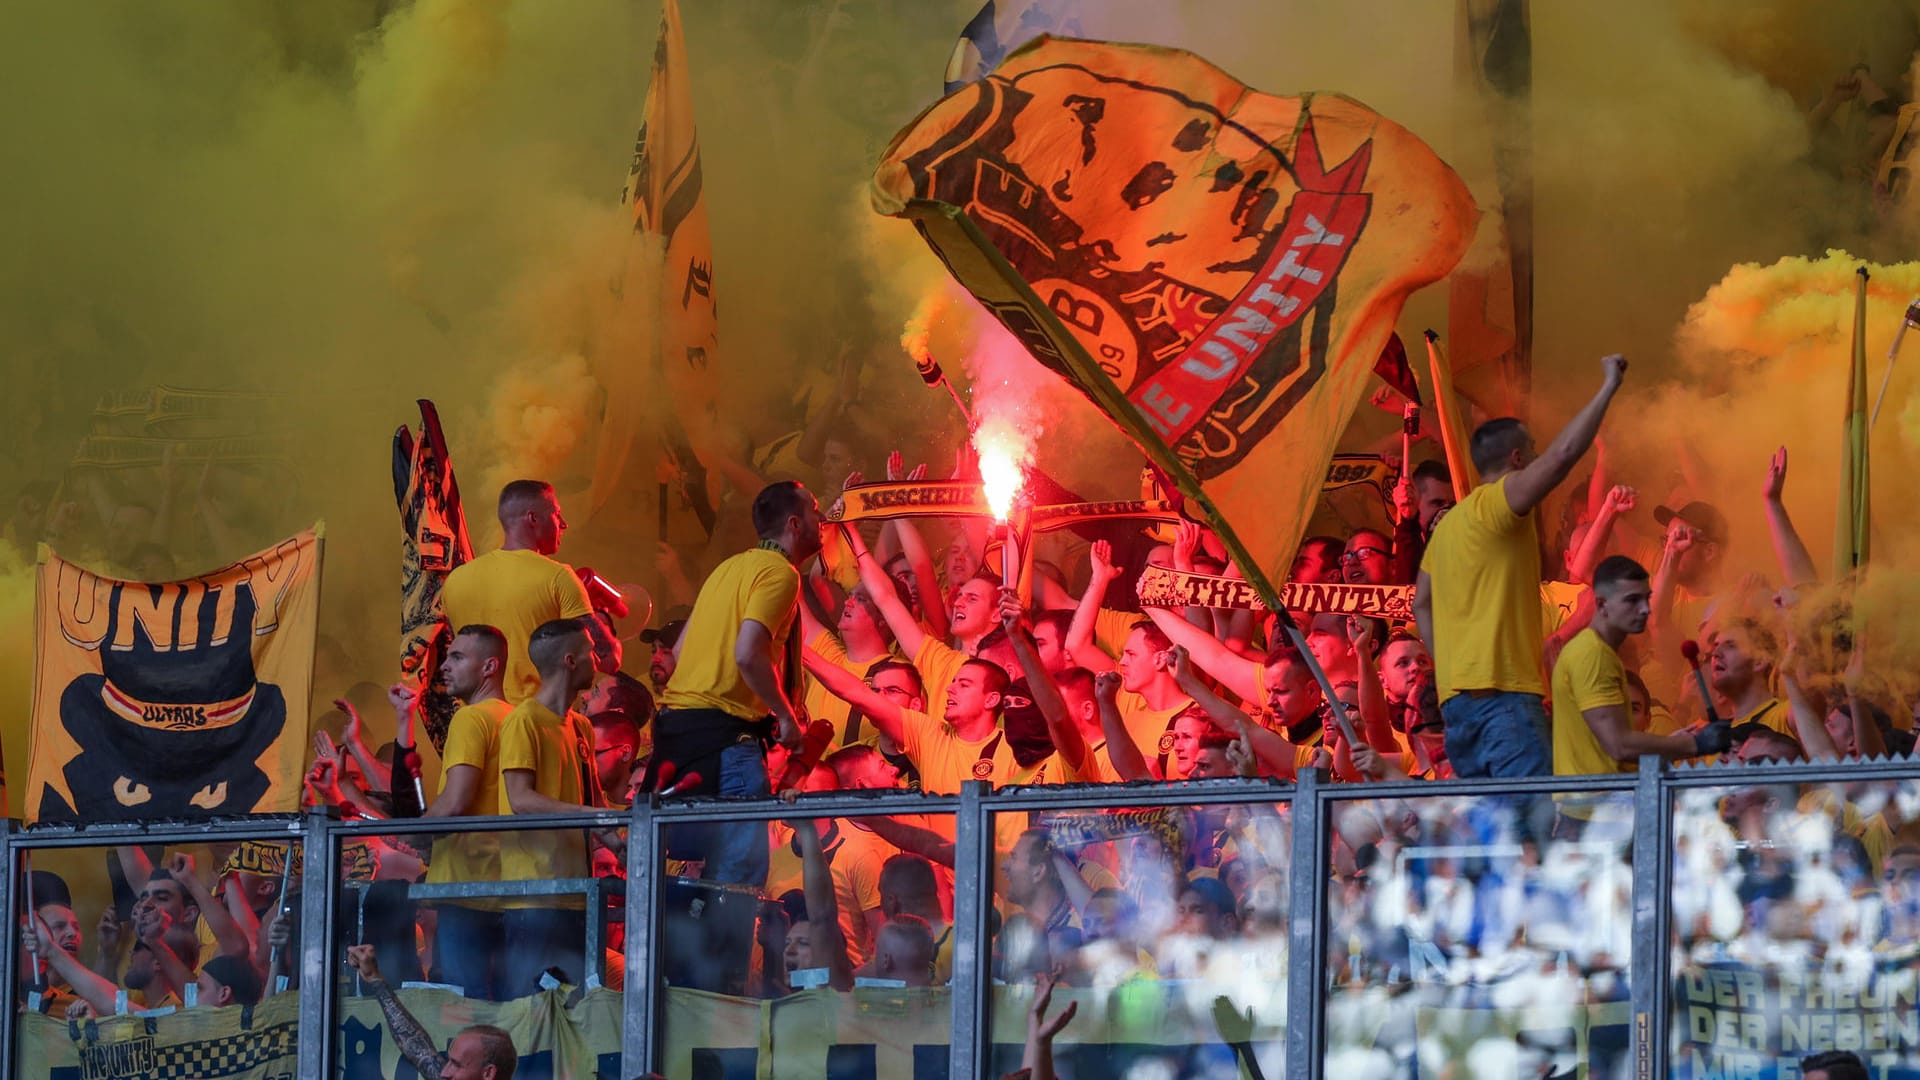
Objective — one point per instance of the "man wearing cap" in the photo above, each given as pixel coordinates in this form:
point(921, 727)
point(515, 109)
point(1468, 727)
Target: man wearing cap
point(519, 587)
point(665, 641)
point(1477, 598)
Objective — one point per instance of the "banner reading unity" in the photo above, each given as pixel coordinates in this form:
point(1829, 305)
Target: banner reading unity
point(177, 699)
point(1216, 268)
point(1163, 586)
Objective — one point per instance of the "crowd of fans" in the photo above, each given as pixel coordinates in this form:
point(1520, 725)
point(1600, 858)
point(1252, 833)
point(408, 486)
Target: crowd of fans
point(831, 657)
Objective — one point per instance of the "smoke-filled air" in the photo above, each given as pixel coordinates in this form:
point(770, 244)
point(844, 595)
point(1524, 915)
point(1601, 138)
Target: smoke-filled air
point(277, 225)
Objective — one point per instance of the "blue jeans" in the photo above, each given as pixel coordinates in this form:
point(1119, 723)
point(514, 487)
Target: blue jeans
point(737, 851)
point(1499, 734)
point(466, 950)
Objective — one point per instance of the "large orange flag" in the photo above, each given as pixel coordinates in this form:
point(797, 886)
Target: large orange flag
point(1216, 268)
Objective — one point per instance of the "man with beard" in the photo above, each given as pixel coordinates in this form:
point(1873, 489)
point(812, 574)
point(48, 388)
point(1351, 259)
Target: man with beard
point(1592, 727)
point(1477, 596)
point(468, 933)
point(734, 687)
point(664, 642)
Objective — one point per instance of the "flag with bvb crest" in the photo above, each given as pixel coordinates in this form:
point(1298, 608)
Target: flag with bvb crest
point(1216, 268)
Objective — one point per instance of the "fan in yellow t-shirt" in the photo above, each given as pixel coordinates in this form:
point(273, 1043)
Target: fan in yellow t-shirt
point(967, 744)
point(860, 641)
point(467, 933)
point(546, 767)
point(1477, 598)
point(516, 589)
point(1593, 730)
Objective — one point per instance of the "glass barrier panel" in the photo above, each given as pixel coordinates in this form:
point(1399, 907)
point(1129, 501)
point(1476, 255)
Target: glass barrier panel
point(1479, 936)
point(1167, 926)
point(515, 929)
point(1796, 927)
point(153, 953)
point(758, 977)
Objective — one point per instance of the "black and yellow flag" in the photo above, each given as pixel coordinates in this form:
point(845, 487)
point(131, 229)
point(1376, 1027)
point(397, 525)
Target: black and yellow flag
point(669, 342)
point(177, 699)
point(1216, 268)
point(433, 542)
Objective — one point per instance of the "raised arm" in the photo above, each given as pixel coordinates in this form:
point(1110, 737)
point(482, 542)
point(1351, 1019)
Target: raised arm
point(89, 986)
point(845, 685)
point(1223, 714)
point(1788, 549)
point(1238, 674)
point(823, 909)
point(1127, 760)
point(1376, 721)
point(906, 629)
point(1079, 643)
point(1530, 486)
point(232, 939)
point(926, 579)
point(409, 1036)
point(1807, 720)
point(357, 746)
point(1046, 693)
point(1618, 500)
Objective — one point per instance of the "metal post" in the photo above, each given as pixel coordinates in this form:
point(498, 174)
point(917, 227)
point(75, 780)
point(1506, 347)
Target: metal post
point(639, 1042)
point(10, 950)
point(1652, 873)
point(320, 871)
point(595, 958)
point(972, 982)
point(1307, 929)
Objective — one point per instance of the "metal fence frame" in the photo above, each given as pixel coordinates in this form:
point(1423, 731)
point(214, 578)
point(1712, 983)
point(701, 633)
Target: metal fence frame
point(1311, 801)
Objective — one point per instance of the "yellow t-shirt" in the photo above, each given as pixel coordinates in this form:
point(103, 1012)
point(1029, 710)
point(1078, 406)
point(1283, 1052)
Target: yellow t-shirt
point(854, 858)
point(513, 592)
point(820, 702)
point(558, 750)
point(473, 738)
point(938, 662)
point(1097, 768)
point(946, 760)
point(1772, 713)
point(1151, 729)
point(1484, 564)
point(1111, 628)
point(1588, 676)
point(760, 585)
point(1558, 601)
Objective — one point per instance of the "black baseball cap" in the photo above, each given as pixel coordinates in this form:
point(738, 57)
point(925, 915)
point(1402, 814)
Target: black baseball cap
point(667, 634)
point(1703, 516)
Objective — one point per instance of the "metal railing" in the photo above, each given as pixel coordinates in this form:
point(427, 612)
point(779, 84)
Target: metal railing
point(1313, 802)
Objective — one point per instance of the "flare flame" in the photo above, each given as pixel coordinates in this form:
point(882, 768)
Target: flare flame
point(1004, 453)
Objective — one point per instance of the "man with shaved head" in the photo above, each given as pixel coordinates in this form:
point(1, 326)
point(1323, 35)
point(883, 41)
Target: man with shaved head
point(521, 586)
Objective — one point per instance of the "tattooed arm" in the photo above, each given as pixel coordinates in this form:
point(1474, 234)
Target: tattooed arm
point(409, 1037)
